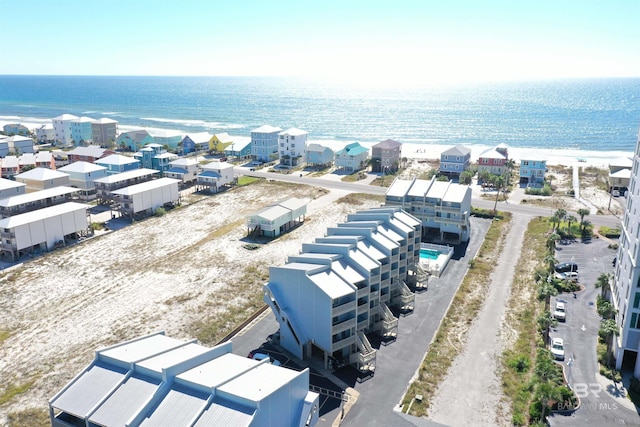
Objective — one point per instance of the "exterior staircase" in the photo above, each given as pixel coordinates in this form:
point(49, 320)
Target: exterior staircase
point(366, 356)
point(389, 321)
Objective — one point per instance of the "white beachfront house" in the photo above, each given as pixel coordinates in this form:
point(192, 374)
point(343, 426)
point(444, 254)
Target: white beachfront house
point(184, 169)
point(278, 218)
point(19, 144)
point(292, 147)
point(43, 229)
point(62, 128)
point(81, 131)
point(82, 175)
point(215, 175)
point(338, 288)
point(264, 143)
point(443, 207)
point(162, 381)
point(147, 197)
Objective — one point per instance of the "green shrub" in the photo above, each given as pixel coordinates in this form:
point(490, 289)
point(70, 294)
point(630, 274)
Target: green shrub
point(520, 363)
point(160, 212)
point(544, 191)
point(609, 232)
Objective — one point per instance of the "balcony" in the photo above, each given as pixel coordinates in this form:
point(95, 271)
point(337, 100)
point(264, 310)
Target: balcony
point(343, 326)
point(343, 308)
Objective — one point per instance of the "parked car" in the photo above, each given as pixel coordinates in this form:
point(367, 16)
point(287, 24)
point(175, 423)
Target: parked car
point(571, 276)
point(566, 267)
point(262, 356)
point(559, 311)
point(557, 348)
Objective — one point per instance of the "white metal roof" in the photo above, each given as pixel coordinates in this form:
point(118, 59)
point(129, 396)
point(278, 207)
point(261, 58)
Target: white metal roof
point(367, 247)
point(6, 184)
point(348, 273)
point(330, 283)
point(456, 193)
point(622, 173)
point(184, 161)
point(199, 137)
point(438, 190)
point(82, 167)
point(226, 414)
point(173, 357)
point(41, 174)
point(179, 407)
point(136, 350)
point(420, 188)
point(273, 212)
point(116, 159)
point(65, 117)
point(146, 186)
point(105, 120)
point(399, 188)
point(124, 176)
point(40, 214)
point(223, 137)
point(21, 199)
point(218, 371)
point(266, 129)
point(259, 382)
point(294, 132)
point(217, 165)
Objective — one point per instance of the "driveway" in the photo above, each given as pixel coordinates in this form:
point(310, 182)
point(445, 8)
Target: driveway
point(601, 401)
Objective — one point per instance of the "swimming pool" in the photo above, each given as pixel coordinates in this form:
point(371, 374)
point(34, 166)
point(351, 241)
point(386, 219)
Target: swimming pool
point(429, 254)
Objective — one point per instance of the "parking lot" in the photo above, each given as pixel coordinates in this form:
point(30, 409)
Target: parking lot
point(580, 334)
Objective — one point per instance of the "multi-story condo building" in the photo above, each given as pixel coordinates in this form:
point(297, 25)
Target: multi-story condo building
point(104, 132)
point(62, 128)
point(385, 156)
point(292, 147)
point(455, 160)
point(626, 287)
point(81, 132)
point(264, 143)
point(339, 288)
point(443, 207)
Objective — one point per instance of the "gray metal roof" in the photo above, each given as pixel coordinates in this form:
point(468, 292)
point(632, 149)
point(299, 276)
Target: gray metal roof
point(37, 215)
point(124, 176)
point(119, 407)
point(89, 389)
point(178, 408)
point(21, 199)
point(226, 413)
point(146, 186)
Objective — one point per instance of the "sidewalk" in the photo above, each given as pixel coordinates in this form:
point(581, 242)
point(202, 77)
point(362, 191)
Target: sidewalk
point(617, 391)
point(576, 190)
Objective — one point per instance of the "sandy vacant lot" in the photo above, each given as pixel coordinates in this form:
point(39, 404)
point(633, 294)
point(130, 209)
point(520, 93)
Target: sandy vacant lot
point(163, 273)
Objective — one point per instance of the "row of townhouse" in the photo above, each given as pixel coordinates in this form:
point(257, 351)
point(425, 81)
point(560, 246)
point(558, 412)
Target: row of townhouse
point(73, 130)
point(457, 159)
point(339, 288)
point(444, 208)
point(11, 166)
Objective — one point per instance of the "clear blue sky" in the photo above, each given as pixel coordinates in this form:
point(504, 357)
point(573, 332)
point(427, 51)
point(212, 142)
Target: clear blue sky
point(440, 41)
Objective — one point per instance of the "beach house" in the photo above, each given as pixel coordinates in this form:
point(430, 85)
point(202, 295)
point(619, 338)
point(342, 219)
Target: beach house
point(170, 139)
point(15, 129)
point(162, 381)
point(81, 131)
point(62, 128)
point(533, 169)
point(27, 161)
point(45, 134)
point(443, 207)
point(385, 156)
point(44, 159)
point(197, 142)
point(145, 198)
point(455, 160)
point(337, 289)
point(184, 169)
point(10, 167)
point(319, 156)
point(352, 157)
point(278, 218)
point(10, 188)
point(116, 181)
point(215, 175)
point(219, 142)
point(104, 132)
point(42, 178)
point(625, 289)
point(44, 229)
point(134, 140)
point(20, 144)
point(89, 154)
point(264, 143)
point(4, 146)
point(28, 202)
point(292, 147)
point(238, 150)
point(82, 176)
point(492, 161)
point(155, 156)
point(117, 163)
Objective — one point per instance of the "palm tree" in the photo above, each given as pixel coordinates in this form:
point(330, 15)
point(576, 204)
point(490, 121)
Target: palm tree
point(509, 166)
point(608, 330)
point(550, 260)
point(498, 182)
point(558, 216)
point(551, 241)
point(606, 309)
point(570, 219)
point(545, 292)
point(582, 212)
point(545, 322)
point(604, 283)
point(547, 393)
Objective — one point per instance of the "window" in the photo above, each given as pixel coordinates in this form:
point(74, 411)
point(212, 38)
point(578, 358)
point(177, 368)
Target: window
point(634, 321)
point(636, 300)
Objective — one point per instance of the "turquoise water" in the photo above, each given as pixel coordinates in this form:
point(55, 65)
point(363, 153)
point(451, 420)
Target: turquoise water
point(589, 114)
point(429, 254)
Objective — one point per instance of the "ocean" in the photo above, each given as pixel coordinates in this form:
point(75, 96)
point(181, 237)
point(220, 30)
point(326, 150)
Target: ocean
point(589, 114)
